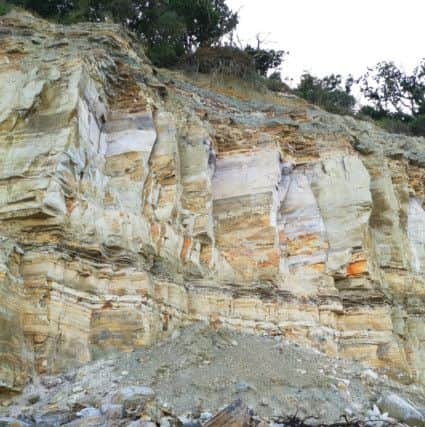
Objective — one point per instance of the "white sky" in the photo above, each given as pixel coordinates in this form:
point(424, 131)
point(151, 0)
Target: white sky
point(336, 36)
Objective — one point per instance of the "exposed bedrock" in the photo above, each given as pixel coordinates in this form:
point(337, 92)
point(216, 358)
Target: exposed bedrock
point(133, 201)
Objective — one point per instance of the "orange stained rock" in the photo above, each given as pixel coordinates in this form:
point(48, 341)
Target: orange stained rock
point(185, 248)
point(356, 268)
point(70, 205)
point(155, 230)
point(319, 267)
point(272, 259)
point(303, 244)
point(282, 237)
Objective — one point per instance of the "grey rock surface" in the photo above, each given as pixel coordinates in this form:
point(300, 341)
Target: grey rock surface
point(400, 409)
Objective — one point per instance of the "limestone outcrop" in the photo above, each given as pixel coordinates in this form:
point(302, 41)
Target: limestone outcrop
point(133, 200)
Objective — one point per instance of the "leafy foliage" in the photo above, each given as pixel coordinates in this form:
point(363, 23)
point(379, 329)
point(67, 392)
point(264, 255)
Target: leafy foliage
point(46, 8)
point(328, 93)
point(265, 59)
point(391, 90)
point(417, 125)
point(206, 21)
point(397, 98)
point(225, 60)
point(164, 33)
point(275, 84)
point(4, 8)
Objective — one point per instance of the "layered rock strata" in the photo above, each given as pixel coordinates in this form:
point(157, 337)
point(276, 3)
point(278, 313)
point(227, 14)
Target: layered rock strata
point(133, 200)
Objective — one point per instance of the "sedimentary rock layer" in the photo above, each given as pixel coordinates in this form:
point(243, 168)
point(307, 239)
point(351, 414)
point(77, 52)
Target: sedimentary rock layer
point(133, 200)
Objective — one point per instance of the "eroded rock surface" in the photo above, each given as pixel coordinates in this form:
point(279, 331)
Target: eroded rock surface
point(133, 200)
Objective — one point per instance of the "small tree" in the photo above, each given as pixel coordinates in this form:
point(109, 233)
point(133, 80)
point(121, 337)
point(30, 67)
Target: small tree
point(163, 31)
point(265, 59)
point(391, 90)
point(397, 98)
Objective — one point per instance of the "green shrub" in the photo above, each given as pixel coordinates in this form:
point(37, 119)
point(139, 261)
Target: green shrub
point(275, 84)
point(328, 93)
point(397, 99)
point(417, 125)
point(4, 8)
point(221, 60)
point(265, 59)
point(394, 125)
point(394, 122)
point(163, 54)
point(389, 89)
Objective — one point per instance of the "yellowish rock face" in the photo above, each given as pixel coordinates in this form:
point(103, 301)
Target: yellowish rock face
point(133, 200)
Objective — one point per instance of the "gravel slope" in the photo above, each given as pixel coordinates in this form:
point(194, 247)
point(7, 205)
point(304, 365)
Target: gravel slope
point(199, 369)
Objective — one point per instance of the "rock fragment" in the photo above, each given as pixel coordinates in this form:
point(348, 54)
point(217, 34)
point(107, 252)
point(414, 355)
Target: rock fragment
point(235, 415)
point(12, 422)
point(400, 409)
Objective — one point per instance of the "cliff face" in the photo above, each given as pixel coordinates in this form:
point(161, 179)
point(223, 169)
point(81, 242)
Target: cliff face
point(132, 201)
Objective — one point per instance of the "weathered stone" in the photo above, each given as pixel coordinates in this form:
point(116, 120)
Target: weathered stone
point(54, 418)
point(134, 398)
point(51, 381)
point(112, 411)
point(141, 423)
point(164, 422)
point(131, 393)
point(236, 415)
point(33, 398)
point(95, 421)
point(88, 412)
point(125, 214)
point(241, 387)
point(192, 424)
point(400, 409)
point(12, 422)
point(205, 416)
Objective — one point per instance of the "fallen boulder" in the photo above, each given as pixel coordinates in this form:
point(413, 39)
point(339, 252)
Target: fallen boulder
point(400, 409)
